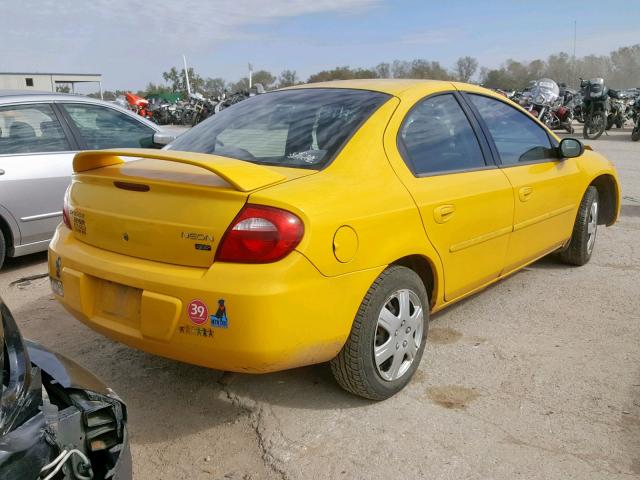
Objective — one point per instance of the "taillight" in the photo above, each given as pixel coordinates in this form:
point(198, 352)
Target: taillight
point(65, 209)
point(260, 234)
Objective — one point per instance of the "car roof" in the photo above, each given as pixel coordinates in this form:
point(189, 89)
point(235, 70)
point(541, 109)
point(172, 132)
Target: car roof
point(392, 86)
point(29, 96)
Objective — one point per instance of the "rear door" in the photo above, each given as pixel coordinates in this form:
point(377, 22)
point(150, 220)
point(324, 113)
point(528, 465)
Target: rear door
point(544, 185)
point(35, 168)
point(465, 201)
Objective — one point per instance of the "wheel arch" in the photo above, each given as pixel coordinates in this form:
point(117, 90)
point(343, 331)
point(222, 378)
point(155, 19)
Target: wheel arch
point(427, 272)
point(7, 234)
point(609, 198)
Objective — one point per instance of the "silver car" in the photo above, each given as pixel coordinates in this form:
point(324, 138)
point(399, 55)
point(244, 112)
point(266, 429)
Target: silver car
point(39, 135)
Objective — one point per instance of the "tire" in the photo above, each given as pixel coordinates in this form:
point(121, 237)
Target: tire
point(635, 134)
point(355, 368)
point(583, 238)
point(3, 249)
point(594, 126)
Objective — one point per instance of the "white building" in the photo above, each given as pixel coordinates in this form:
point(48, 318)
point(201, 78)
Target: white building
point(46, 82)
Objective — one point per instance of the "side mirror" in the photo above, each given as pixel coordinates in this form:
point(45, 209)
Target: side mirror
point(571, 148)
point(163, 138)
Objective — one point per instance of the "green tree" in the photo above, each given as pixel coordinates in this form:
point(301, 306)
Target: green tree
point(383, 70)
point(338, 73)
point(215, 87)
point(264, 77)
point(465, 68)
point(287, 78)
point(241, 85)
point(626, 67)
point(177, 81)
point(155, 89)
point(560, 68)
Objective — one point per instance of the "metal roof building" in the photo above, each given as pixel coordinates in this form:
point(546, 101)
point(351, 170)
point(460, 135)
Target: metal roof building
point(46, 81)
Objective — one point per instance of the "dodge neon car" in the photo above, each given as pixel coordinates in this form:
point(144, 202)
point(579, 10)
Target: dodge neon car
point(322, 223)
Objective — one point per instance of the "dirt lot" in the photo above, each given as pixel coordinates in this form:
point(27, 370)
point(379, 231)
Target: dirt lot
point(537, 377)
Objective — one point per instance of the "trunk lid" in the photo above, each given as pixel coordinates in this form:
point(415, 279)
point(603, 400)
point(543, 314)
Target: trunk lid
point(165, 206)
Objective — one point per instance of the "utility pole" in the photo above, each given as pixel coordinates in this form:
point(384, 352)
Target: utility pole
point(186, 74)
point(575, 32)
point(250, 75)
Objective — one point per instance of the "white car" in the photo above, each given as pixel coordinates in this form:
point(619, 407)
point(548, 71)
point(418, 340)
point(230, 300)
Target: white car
point(39, 135)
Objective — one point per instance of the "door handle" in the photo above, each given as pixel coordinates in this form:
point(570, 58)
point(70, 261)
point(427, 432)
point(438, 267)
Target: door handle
point(525, 193)
point(1, 171)
point(443, 213)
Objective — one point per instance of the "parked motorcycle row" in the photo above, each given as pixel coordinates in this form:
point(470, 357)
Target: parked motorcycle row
point(596, 106)
point(191, 112)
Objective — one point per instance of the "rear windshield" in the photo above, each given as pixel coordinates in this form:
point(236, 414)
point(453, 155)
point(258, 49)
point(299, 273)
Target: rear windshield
point(291, 128)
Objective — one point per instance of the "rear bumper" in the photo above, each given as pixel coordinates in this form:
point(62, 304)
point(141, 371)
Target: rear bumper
point(278, 316)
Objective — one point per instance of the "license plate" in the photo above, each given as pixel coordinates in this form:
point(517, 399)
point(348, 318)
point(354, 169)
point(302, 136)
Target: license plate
point(118, 301)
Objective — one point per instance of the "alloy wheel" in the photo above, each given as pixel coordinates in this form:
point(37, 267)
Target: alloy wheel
point(398, 334)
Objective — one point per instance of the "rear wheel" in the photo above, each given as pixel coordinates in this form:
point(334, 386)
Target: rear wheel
point(635, 135)
point(387, 338)
point(583, 238)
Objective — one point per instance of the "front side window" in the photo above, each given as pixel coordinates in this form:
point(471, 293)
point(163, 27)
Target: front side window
point(290, 128)
point(517, 137)
point(32, 128)
point(103, 127)
point(437, 137)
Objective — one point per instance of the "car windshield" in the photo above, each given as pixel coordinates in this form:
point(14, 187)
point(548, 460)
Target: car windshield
point(291, 128)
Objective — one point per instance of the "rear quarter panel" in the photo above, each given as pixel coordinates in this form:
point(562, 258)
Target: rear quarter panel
point(360, 190)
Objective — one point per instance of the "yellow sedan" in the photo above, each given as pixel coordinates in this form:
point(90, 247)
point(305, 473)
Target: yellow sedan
point(322, 223)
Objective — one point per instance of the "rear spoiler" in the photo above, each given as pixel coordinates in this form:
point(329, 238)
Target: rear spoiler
point(243, 176)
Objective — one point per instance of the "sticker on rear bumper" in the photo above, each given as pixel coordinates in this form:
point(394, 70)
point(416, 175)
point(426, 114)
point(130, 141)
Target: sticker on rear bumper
point(57, 287)
point(219, 320)
point(203, 332)
point(198, 312)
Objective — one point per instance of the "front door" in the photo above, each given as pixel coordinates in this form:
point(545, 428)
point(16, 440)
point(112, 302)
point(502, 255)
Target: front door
point(544, 186)
point(465, 201)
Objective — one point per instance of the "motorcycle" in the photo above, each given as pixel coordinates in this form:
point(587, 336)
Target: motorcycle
point(618, 110)
point(200, 108)
point(138, 104)
point(635, 134)
point(595, 106)
point(546, 104)
point(165, 113)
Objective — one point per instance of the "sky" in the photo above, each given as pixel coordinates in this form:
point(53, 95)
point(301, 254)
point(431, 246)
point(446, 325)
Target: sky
point(131, 42)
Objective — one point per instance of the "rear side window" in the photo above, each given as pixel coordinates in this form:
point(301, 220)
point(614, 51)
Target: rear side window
point(291, 128)
point(437, 137)
point(32, 128)
point(103, 127)
point(517, 137)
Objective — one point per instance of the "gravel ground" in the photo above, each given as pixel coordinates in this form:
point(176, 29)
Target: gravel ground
point(537, 377)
